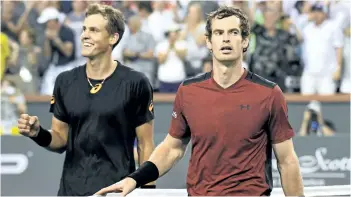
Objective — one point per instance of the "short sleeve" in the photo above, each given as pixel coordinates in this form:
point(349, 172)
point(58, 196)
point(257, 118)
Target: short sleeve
point(279, 126)
point(144, 102)
point(57, 106)
point(179, 127)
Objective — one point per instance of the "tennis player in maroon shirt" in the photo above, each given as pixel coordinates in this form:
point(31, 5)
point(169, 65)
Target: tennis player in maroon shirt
point(233, 117)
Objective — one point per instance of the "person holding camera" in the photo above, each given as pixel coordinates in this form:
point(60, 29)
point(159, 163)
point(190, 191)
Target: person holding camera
point(313, 122)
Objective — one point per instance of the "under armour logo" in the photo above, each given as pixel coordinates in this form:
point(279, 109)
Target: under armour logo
point(247, 107)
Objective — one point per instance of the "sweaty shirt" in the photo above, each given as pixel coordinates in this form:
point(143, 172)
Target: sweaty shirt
point(102, 126)
point(232, 131)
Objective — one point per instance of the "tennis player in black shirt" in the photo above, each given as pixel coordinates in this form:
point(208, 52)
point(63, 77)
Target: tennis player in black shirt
point(98, 111)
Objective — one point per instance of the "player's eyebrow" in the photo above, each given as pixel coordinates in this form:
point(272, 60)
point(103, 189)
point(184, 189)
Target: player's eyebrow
point(222, 30)
point(91, 28)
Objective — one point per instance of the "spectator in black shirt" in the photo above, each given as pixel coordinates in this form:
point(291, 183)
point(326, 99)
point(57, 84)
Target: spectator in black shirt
point(59, 47)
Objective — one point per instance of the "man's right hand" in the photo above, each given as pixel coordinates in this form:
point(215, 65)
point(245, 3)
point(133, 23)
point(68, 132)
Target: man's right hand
point(28, 125)
point(124, 187)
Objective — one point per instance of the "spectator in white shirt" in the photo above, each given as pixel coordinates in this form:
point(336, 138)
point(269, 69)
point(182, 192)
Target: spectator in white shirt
point(323, 44)
point(194, 34)
point(144, 11)
point(159, 18)
point(340, 14)
point(171, 54)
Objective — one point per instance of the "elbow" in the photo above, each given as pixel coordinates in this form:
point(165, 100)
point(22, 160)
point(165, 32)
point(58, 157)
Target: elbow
point(61, 150)
point(178, 153)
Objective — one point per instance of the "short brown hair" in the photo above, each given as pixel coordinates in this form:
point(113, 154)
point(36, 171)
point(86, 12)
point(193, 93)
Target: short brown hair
point(115, 19)
point(224, 12)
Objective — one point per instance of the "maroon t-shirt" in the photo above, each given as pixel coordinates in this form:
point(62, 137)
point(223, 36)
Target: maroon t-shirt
point(232, 131)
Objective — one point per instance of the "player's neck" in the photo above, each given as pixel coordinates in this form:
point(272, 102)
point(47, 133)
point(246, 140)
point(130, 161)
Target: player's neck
point(100, 67)
point(227, 75)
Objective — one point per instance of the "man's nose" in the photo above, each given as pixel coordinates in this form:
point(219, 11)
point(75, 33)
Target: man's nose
point(226, 38)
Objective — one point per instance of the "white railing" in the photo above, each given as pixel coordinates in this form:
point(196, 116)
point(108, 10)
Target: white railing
point(318, 191)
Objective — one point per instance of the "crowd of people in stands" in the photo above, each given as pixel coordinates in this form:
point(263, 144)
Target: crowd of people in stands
point(303, 46)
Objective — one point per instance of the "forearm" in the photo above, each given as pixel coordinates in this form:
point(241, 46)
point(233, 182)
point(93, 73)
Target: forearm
point(339, 55)
point(144, 152)
point(162, 58)
point(164, 157)
point(291, 179)
point(147, 55)
point(58, 143)
point(303, 129)
point(47, 49)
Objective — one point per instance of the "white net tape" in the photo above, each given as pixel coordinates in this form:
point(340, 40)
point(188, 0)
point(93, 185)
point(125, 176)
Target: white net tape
point(338, 190)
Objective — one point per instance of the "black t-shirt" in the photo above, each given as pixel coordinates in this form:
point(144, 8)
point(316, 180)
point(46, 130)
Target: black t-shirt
point(66, 34)
point(100, 143)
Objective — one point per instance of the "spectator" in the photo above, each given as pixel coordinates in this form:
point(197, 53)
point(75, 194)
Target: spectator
point(74, 20)
point(313, 122)
point(346, 77)
point(12, 58)
point(194, 35)
point(5, 54)
point(171, 54)
point(26, 78)
point(139, 52)
point(59, 47)
point(159, 18)
point(274, 56)
point(322, 52)
point(340, 14)
point(144, 11)
point(9, 24)
point(206, 6)
point(126, 7)
point(12, 105)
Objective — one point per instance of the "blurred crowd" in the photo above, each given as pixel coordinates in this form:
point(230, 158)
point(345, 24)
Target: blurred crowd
point(304, 46)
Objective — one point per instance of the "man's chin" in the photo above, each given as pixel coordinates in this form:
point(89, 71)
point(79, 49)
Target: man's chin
point(227, 59)
point(87, 55)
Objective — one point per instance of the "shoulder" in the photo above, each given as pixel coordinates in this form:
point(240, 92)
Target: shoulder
point(197, 79)
point(133, 77)
point(65, 30)
point(68, 77)
point(260, 81)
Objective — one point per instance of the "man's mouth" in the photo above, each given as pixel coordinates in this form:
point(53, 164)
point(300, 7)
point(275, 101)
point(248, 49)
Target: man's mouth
point(87, 44)
point(226, 49)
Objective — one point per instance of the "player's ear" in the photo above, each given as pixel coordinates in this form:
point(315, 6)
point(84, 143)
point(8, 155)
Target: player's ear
point(246, 43)
point(208, 43)
point(114, 38)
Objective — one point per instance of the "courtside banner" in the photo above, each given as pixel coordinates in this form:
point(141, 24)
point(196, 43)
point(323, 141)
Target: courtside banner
point(30, 170)
point(323, 161)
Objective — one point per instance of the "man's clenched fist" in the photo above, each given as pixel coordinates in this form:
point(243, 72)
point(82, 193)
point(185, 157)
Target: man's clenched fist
point(28, 125)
